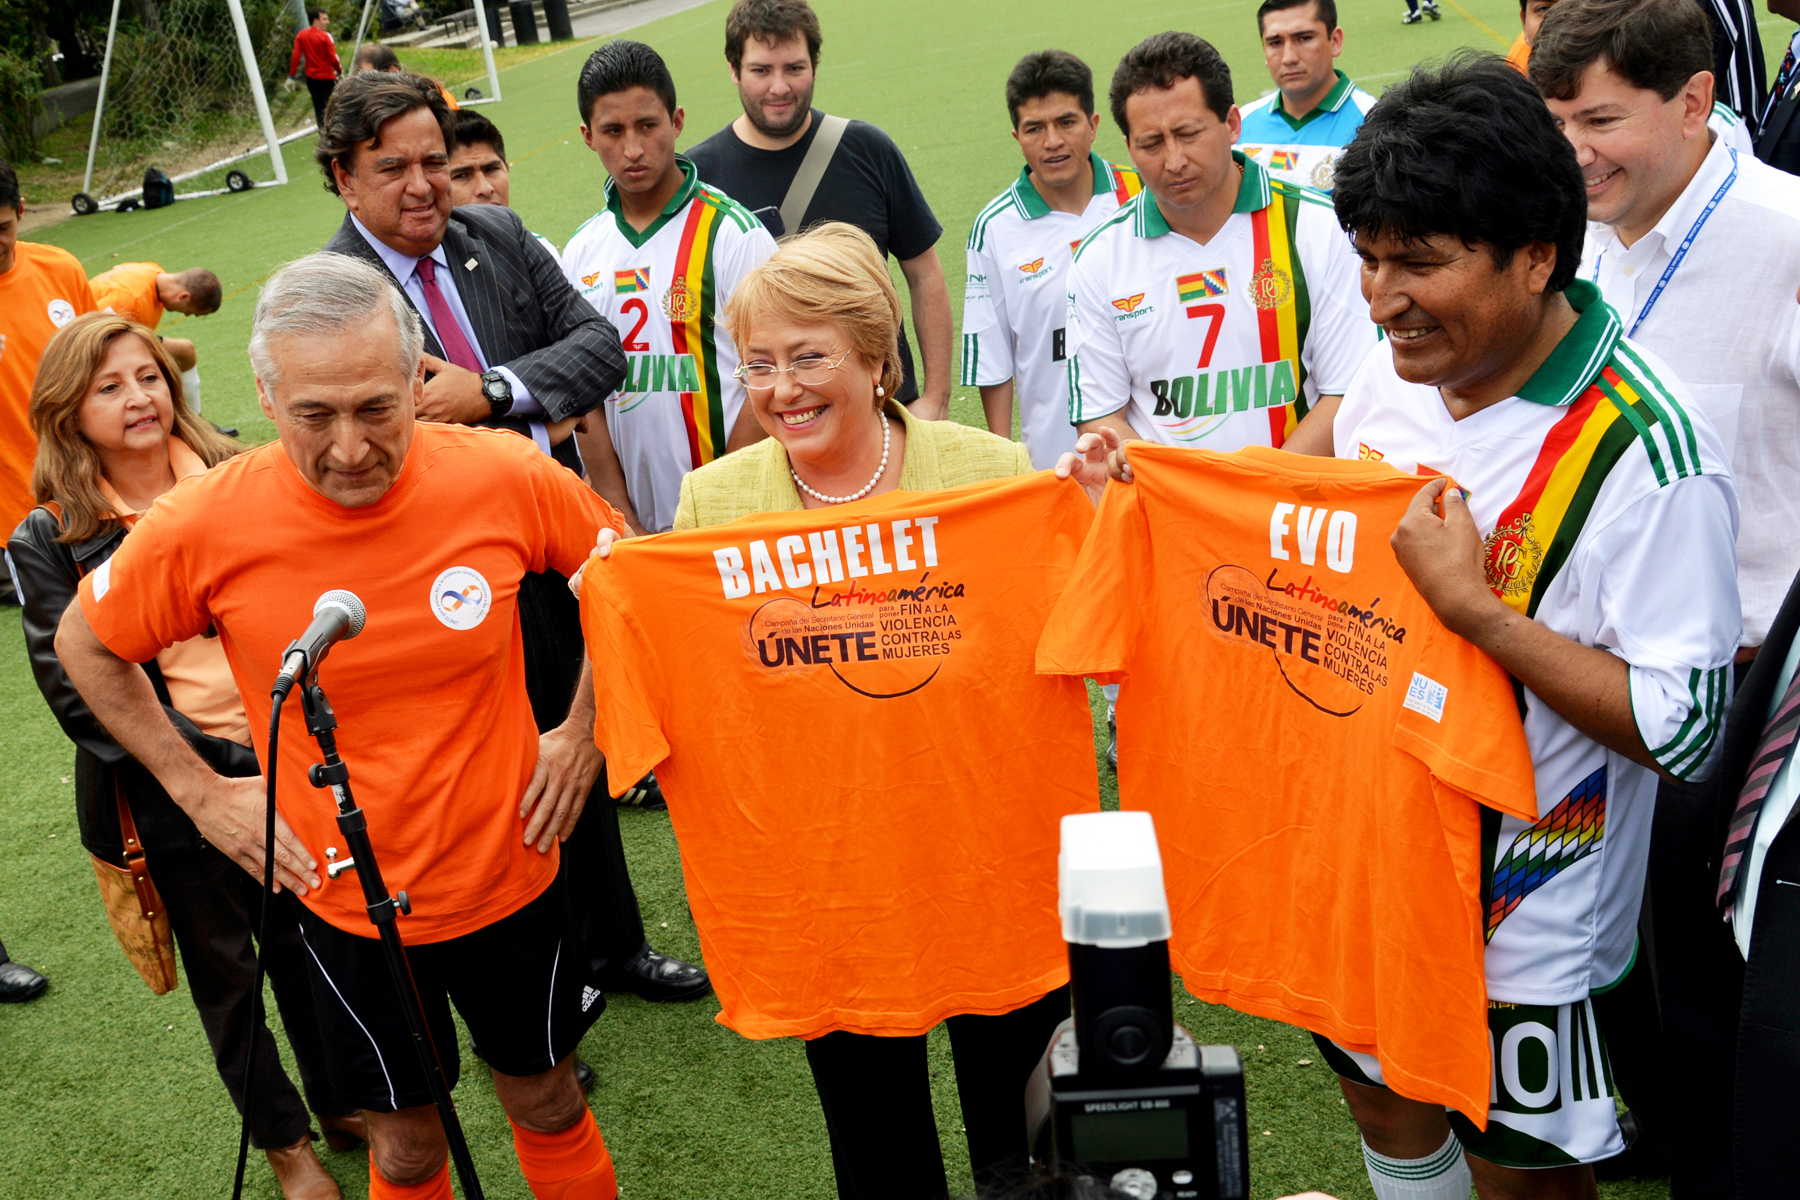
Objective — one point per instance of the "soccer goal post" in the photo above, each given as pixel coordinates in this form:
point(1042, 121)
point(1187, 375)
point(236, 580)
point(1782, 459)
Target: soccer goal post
point(466, 90)
point(181, 89)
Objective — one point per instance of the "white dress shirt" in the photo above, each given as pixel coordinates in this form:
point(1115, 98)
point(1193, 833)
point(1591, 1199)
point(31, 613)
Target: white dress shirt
point(1728, 325)
point(405, 268)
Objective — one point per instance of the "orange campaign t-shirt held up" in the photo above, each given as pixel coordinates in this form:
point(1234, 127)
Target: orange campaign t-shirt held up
point(430, 697)
point(864, 770)
point(1313, 745)
point(45, 290)
point(129, 289)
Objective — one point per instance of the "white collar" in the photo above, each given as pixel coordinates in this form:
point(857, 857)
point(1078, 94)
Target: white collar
point(401, 264)
point(1688, 206)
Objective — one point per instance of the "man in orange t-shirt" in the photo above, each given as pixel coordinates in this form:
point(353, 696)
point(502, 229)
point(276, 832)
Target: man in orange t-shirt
point(1324, 860)
point(865, 772)
point(42, 288)
point(142, 290)
point(433, 527)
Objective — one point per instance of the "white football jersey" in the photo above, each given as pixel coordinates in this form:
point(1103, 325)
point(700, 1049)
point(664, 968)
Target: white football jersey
point(1218, 346)
point(1016, 301)
point(1609, 513)
point(664, 289)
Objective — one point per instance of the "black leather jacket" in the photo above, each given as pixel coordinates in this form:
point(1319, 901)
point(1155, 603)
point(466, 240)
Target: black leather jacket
point(48, 573)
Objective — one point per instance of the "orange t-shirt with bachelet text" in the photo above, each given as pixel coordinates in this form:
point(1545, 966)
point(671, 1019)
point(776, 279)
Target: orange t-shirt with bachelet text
point(129, 289)
point(434, 722)
point(864, 769)
point(45, 290)
point(1314, 745)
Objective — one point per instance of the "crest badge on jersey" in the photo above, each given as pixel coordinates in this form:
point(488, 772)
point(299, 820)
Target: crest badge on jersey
point(679, 303)
point(461, 598)
point(1323, 172)
point(61, 312)
point(1513, 557)
point(635, 280)
point(1271, 287)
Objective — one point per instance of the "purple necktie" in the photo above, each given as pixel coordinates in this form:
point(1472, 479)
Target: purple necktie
point(1773, 750)
point(449, 334)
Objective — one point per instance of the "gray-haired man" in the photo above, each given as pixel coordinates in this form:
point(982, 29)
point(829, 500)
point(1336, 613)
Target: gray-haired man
point(433, 527)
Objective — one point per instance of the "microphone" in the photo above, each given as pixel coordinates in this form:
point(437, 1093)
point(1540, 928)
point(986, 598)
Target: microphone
point(337, 615)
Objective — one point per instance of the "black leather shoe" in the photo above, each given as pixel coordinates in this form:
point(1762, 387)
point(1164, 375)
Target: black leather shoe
point(646, 794)
point(584, 1074)
point(19, 983)
point(658, 977)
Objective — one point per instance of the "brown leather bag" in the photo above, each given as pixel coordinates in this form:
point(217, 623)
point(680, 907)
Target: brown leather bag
point(135, 909)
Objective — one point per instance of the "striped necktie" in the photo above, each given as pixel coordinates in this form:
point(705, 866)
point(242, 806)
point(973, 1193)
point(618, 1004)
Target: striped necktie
point(1771, 752)
point(449, 334)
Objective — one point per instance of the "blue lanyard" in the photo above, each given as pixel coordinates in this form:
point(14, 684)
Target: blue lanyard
point(1681, 250)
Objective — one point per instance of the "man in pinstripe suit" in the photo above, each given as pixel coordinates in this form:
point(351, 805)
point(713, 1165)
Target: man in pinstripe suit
point(509, 344)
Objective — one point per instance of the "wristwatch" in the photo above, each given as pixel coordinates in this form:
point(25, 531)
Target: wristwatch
point(498, 392)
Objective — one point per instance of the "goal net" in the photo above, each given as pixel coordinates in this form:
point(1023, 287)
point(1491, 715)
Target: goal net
point(176, 95)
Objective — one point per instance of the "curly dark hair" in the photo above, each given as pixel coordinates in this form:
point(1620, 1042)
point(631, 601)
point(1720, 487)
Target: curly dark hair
point(1465, 148)
point(1657, 45)
point(361, 104)
point(1159, 61)
point(617, 66)
point(771, 21)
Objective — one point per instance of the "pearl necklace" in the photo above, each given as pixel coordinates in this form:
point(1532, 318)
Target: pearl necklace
point(887, 433)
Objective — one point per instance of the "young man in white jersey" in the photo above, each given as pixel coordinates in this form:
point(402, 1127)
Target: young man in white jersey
point(1016, 303)
point(1297, 131)
point(1585, 544)
point(1696, 245)
point(660, 261)
point(1212, 309)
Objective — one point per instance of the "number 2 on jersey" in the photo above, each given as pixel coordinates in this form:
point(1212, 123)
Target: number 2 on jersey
point(1216, 315)
point(643, 316)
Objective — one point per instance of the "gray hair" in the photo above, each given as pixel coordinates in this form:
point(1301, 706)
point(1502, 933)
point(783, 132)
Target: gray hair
point(328, 293)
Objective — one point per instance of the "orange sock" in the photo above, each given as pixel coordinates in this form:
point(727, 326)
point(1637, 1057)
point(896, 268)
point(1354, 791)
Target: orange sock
point(435, 1188)
point(571, 1165)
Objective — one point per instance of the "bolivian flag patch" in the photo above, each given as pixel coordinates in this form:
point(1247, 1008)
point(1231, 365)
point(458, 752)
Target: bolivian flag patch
point(635, 280)
point(1283, 160)
point(1201, 284)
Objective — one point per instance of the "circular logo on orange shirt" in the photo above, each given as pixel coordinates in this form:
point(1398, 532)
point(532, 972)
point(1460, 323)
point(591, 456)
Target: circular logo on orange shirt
point(460, 598)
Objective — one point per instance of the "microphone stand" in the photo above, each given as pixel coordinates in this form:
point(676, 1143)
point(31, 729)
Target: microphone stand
point(333, 773)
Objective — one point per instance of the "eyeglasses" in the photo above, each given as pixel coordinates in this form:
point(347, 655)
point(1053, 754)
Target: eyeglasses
point(809, 370)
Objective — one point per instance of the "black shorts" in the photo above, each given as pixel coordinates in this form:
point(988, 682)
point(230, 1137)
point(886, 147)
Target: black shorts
point(522, 985)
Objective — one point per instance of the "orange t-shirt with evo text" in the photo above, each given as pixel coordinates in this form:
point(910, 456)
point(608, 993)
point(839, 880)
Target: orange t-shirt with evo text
point(864, 770)
point(45, 290)
point(1314, 747)
point(434, 722)
point(129, 289)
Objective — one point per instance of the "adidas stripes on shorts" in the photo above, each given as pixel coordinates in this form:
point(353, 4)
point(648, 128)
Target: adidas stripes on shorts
point(522, 985)
point(1550, 1102)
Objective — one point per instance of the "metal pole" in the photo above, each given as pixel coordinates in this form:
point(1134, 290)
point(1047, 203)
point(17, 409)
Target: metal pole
point(487, 47)
point(256, 89)
point(112, 32)
point(362, 27)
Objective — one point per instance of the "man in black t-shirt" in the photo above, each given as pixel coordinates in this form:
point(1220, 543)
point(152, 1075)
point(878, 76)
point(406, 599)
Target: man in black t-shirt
point(773, 49)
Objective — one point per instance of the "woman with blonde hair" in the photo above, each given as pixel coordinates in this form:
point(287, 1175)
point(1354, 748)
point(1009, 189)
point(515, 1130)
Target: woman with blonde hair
point(816, 327)
point(114, 433)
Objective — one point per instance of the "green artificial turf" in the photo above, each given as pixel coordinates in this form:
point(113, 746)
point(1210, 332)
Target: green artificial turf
point(106, 1091)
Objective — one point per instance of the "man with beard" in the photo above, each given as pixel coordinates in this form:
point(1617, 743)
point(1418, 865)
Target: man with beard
point(793, 166)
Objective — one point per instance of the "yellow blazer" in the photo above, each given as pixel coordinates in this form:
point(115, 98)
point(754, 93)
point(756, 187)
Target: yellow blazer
point(939, 454)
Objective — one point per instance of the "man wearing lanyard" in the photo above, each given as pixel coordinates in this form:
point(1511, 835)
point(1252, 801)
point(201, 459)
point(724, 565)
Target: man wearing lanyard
point(1697, 247)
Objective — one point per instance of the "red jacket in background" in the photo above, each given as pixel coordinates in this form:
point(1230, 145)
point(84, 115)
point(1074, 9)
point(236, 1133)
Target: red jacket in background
point(319, 51)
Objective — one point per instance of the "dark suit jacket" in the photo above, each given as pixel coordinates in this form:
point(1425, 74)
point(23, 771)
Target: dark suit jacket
point(1778, 143)
point(526, 316)
point(1767, 1100)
